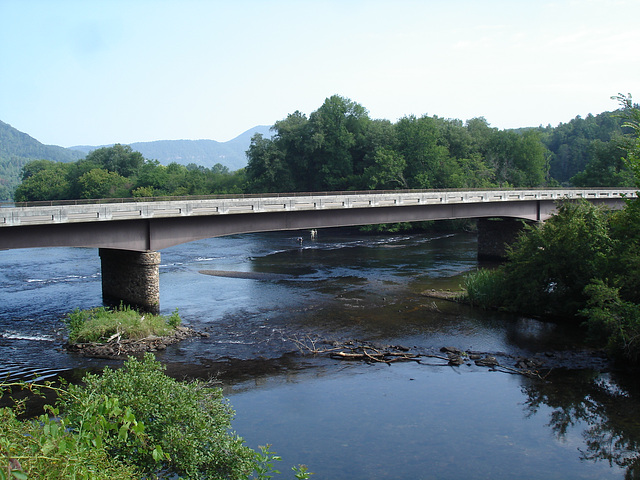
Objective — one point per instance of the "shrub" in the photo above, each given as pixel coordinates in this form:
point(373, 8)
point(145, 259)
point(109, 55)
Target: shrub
point(45, 448)
point(613, 321)
point(135, 422)
point(186, 425)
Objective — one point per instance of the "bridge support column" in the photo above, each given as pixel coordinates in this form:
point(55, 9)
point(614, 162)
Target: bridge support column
point(494, 235)
point(131, 278)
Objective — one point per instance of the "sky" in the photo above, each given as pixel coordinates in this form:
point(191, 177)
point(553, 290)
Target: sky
point(93, 72)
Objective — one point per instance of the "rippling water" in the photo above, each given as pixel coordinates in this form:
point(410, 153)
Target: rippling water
point(347, 420)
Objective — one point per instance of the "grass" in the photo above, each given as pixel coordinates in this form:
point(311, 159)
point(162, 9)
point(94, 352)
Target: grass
point(100, 324)
point(484, 288)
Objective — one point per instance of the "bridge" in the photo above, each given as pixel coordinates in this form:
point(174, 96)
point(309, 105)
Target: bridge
point(130, 233)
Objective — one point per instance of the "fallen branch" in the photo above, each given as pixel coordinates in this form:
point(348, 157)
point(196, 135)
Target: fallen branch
point(355, 350)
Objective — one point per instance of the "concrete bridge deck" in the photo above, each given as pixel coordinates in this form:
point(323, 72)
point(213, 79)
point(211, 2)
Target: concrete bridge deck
point(154, 225)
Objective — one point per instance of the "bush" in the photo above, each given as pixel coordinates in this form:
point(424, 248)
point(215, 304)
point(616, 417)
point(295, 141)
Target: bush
point(45, 448)
point(135, 422)
point(613, 321)
point(186, 425)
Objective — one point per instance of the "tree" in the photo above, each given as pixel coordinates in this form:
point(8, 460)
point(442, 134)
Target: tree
point(550, 266)
point(387, 170)
point(606, 167)
point(267, 170)
point(119, 158)
point(44, 180)
point(337, 140)
point(101, 183)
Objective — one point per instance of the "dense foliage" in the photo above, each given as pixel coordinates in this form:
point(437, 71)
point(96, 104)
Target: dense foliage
point(583, 262)
point(134, 422)
point(587, 151)
point(338, 147)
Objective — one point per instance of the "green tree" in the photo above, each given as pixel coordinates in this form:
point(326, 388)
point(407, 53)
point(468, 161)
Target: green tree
point(518, 159)
point(267, 170)
point(44, 180)
point(550, 266)
point(337, 128)
point(101, 183)
point(418, 141)
point(118, 158)
point(387, 171)
point(606, 167)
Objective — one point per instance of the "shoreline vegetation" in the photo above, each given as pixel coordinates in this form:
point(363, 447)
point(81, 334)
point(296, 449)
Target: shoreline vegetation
point(133, 422)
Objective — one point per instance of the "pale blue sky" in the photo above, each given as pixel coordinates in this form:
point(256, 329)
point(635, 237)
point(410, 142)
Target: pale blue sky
point(98, 72)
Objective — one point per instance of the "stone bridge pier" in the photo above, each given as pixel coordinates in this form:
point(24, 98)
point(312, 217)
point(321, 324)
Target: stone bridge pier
point(131, 278)
point(495, 234)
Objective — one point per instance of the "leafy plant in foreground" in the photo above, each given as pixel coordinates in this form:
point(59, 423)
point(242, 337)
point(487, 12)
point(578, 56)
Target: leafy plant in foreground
point(135, 422)
point(188, 424)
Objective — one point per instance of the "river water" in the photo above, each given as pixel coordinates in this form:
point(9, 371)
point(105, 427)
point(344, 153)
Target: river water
point(348, 420)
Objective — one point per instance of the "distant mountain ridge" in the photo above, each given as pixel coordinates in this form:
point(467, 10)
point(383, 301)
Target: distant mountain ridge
point(14, 143)
point(17, 149)
point(206, 153)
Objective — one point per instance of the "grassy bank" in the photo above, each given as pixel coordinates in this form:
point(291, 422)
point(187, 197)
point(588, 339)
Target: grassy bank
point(101, 324)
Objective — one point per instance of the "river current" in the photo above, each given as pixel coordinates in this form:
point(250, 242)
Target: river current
point(348, 420)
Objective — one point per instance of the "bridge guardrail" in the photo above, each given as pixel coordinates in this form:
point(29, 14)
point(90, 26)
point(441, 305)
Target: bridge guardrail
point(94, 201)
point(161, 207)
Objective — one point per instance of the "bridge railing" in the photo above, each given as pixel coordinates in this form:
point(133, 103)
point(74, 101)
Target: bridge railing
point(96, 201)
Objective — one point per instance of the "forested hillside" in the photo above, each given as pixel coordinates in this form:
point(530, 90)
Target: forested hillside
point(17, 149)
point(592, 143)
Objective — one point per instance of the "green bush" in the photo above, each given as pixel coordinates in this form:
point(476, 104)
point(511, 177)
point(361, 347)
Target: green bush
point(135, 422)
point(613, 321)
point(186, 425)
point(44, 448)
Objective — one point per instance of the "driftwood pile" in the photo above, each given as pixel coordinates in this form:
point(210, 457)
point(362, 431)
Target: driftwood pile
point(357, 350)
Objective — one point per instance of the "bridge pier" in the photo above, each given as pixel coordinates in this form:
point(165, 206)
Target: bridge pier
point(131, 278)
point(494, 234)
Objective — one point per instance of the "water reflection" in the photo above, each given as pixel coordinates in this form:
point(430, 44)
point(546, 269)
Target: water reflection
point(605, 406)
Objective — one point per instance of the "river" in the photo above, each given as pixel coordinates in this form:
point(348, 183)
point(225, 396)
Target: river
point(348, 420)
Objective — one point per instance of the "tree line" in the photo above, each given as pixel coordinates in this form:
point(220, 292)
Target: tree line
point(120, 172)
point(339, 147)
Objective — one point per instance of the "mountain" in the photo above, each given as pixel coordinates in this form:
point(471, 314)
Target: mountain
point(207, 153)
point(14, 143)
point(17, 148)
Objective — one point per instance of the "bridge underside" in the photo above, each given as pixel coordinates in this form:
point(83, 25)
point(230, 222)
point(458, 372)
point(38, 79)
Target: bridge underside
point(152, 234)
